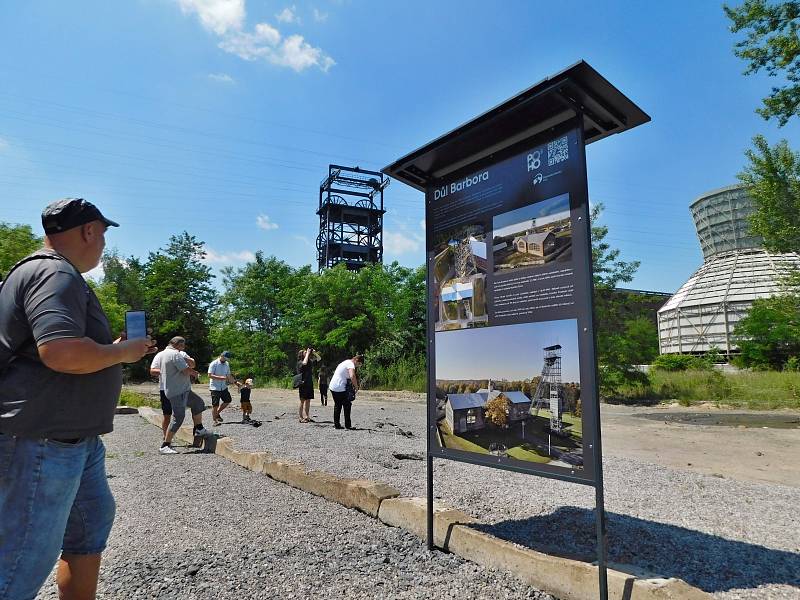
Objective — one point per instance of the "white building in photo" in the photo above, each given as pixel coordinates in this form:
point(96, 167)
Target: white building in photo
point(736, 270)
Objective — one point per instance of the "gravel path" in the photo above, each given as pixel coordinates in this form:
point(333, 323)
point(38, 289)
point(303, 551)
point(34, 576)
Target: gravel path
point(734, 539)
point(195, 526)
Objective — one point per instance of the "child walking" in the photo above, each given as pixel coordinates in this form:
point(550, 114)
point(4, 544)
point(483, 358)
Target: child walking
point(244, 399)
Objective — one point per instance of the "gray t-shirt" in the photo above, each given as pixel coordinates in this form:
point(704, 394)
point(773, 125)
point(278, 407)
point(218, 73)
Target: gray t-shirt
point(175, 382)
point(43, 300)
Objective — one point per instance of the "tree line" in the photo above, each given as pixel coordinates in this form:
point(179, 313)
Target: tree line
point(266, 309)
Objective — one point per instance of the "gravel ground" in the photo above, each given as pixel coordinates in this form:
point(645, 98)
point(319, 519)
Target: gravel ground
point(734, 539)
point(195, 526)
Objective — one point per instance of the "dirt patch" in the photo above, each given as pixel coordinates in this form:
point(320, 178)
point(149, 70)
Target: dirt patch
point(723, 419)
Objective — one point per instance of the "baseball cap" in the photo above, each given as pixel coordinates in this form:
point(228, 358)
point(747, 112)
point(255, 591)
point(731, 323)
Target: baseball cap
point(67, 213)
point(226, 354)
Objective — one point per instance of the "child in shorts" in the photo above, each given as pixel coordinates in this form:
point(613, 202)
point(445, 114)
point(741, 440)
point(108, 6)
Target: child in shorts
point(244, 399)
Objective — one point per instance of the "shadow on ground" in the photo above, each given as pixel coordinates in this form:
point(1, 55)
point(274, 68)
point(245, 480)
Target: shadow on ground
point(709, 562)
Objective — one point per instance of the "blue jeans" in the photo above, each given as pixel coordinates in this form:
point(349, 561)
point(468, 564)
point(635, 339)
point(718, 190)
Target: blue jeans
point(54, 497)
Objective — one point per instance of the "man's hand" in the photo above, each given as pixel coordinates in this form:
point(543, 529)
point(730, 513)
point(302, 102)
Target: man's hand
point(133, 350)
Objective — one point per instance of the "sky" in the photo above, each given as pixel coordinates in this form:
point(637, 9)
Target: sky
point(541, 213)
point(220, 117)
point(512, 352)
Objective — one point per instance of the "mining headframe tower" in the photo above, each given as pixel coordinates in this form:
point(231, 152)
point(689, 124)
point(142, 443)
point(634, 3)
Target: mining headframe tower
point(350, 217)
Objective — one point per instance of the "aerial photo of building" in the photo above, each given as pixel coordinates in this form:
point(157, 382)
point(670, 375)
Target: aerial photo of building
point(460, 280)
point(736, 271)
point(533, 235)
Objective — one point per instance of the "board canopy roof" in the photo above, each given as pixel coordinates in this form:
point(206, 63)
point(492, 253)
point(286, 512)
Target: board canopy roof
point(555, 100)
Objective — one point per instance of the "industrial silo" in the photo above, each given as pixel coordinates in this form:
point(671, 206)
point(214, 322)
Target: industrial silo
point(736, 270)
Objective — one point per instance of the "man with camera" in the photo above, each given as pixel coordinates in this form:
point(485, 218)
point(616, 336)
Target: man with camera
point(60, 380)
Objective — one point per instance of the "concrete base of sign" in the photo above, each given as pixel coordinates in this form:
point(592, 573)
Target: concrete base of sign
point(565, 578)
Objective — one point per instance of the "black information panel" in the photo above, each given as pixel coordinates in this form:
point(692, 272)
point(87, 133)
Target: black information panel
point(512, 380)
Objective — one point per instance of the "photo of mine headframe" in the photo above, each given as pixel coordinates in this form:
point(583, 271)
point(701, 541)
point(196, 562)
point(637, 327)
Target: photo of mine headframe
point(549, 389)
point(350, 217)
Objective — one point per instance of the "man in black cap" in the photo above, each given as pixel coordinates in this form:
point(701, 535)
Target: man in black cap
point(60, 379)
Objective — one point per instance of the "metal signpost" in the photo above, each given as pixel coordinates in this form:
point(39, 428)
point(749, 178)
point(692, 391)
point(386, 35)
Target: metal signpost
point(511, 339)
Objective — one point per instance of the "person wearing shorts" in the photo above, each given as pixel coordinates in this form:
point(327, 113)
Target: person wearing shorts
point(244, 399)
point(177, 375)
point(60, 380)
point(219, 374)
point(166, 407)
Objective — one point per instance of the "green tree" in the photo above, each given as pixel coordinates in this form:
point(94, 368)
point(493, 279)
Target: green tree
point(253, 316)
point(772, 178)
point(127, 275)
point(16, 242)
point(607, 268)
point(769, 335)
point(623, 337)
point(179, 295)
point(106, 292)
point(772, 44)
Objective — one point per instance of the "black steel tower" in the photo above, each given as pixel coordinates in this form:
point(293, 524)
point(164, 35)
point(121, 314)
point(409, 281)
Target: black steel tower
point(350, 217)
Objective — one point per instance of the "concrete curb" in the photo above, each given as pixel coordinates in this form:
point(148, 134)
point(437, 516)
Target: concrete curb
point(563, 577)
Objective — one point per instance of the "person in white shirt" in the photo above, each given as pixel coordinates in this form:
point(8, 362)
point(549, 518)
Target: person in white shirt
point(343, 387)
point(219, 375)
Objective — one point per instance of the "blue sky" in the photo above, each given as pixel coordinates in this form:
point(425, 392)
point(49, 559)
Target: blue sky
point(512, 352)
point(221, 116)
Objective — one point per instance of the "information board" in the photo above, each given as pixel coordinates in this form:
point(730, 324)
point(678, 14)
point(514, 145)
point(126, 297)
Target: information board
point(512, 380)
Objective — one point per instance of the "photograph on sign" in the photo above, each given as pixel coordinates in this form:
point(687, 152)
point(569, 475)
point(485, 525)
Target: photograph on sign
point(511, 391)
point(533, 236)
point(506, 355)
point(459, 276)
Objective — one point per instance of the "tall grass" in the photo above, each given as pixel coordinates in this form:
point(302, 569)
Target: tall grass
point(763, 390)
point(406, 373)
point(135, 399)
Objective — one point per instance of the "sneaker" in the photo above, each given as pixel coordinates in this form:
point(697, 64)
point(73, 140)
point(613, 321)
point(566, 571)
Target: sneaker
point(202, 431)
point(218, 419)
point(167, 450)
point(246, 419)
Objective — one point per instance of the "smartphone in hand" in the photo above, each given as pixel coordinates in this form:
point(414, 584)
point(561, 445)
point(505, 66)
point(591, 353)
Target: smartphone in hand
point(135, 324)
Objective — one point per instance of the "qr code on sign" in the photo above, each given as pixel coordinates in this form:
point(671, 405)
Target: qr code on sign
point(557, 151)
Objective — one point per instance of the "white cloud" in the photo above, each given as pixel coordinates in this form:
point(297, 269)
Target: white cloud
point(288, 15)
point(304, 239)
point(219, 16)
point(264, 222)
point(266, 44)
point(398, 243)
point(221, 78)
point(228, 258)
point(319, 16)
point(226, 18)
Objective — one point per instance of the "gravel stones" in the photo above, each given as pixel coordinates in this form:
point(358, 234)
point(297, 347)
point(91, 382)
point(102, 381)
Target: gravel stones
point(195, 526)
point(734, 539)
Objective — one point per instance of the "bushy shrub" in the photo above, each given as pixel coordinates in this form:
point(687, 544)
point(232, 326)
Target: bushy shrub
point(678, 362)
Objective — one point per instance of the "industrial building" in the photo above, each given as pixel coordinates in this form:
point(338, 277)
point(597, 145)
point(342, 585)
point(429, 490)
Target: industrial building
point(736, 271)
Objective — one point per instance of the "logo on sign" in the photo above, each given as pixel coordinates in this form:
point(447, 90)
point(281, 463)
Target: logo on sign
point(534, 160)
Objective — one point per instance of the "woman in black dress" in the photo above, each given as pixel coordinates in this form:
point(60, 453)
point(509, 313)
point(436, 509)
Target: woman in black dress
point(306, 388)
